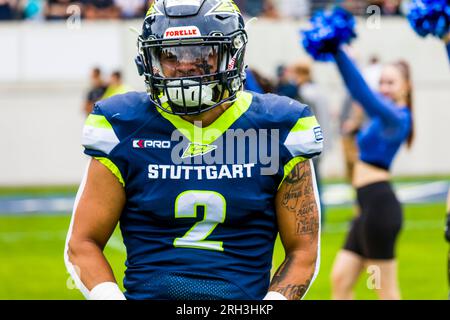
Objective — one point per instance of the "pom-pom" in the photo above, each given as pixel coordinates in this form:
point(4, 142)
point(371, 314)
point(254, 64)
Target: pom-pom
point(330, 29)
point(430, 17)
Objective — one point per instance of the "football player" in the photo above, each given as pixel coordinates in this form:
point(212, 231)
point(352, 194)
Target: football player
point(201, 175)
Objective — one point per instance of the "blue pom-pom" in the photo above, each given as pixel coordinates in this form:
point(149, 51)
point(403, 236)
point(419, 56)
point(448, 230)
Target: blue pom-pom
point(330, 29)
point(430, 17)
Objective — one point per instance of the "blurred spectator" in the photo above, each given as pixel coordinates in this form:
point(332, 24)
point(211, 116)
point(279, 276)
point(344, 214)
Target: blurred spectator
point(322, 4)
point(115, 86)
point(101, 9)
point(351, 120)
point(357, 7)
point(131, 8)
point(372, 72)
point(127, 9)
point(57, 9)
point(96, 91)
point(269, 10)
point(388, 7)
point(391, 7)
point(8, 9)
point(310, 94)
point(286, 83)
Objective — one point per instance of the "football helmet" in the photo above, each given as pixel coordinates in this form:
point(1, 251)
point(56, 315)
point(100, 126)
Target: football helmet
point(191, 54)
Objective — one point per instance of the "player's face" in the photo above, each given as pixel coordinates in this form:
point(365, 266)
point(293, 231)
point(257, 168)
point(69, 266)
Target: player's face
point(393, 85)
point(188, 61)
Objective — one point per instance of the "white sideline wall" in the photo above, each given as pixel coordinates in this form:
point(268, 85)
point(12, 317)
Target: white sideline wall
point(44, 74)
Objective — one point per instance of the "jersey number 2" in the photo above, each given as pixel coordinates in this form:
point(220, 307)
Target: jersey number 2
point(214, 205)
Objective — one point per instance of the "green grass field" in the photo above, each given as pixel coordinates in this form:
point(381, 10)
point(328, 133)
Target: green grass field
point(32, 266)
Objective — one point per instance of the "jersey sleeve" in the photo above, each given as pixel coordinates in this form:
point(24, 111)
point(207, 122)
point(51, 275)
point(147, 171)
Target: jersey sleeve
point(304, 141)
point(99, 139)
point(305, 138)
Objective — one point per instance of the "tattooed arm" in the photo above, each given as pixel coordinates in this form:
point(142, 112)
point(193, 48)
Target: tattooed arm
point(298, 220)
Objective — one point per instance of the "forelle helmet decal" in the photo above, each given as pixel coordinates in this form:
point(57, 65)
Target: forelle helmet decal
point(192, 53)
point(182, 32)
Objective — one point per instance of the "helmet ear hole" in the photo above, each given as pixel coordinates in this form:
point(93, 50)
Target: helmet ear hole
point(140, 65)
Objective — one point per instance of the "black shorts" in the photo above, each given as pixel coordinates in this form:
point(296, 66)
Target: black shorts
point(374, 232)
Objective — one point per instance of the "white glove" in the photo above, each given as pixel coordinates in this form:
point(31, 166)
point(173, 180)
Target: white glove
point(106, 291)
point(273, 295)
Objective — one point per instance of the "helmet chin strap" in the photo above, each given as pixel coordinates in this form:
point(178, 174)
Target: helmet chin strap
point(191, 91)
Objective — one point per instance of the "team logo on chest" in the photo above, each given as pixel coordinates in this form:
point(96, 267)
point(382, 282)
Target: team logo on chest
point(196, 149)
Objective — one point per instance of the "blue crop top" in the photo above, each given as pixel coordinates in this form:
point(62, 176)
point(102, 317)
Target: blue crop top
point(389, 125)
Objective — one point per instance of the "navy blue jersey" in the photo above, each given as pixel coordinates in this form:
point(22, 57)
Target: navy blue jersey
point(199, 221)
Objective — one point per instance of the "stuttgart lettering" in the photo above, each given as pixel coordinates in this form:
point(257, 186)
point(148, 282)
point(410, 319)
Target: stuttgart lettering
point(235, 171)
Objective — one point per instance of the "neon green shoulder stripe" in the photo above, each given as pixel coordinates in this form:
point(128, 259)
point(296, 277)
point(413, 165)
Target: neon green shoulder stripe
point(209, 134)
point(304, 124)
point(98, 121)
point(112, 167)
point(289, 166)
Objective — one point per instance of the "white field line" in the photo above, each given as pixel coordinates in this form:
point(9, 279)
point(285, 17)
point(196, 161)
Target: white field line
point(408, 225)
point(333, 194)
point(116, 243)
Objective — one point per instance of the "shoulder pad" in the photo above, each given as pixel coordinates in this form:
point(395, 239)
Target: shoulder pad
point(114, 119)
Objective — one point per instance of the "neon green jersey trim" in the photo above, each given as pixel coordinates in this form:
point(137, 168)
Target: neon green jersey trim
point(112, 91)
point(305, 124)
point(112, 167)
point(98, 121)
point(209, 134)
point(289, 166)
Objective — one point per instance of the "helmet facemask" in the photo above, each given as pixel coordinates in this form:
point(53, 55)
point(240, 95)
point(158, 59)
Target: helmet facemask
point(190, 76)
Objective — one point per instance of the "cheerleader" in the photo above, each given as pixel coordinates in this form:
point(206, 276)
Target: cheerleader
point(373, 234)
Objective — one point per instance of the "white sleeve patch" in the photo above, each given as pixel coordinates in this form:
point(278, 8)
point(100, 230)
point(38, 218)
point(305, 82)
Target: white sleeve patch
point(101, 139)
point(305, 143)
